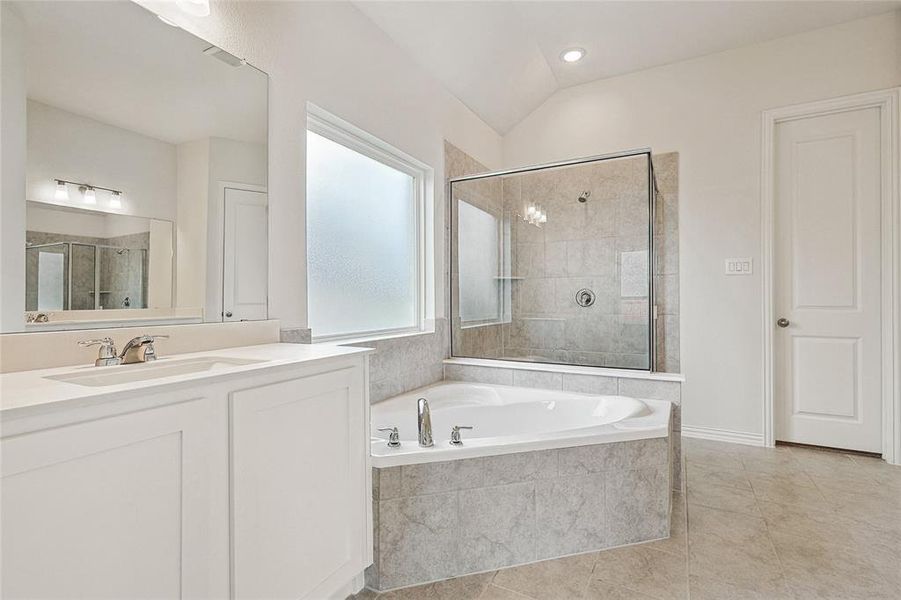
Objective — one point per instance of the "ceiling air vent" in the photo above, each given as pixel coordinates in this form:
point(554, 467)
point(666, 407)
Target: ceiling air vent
point(229, 59)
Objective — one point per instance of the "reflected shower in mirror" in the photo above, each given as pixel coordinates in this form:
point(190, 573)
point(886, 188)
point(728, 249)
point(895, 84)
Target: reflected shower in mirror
point(146, 167)
point(552, 264)
point(89, 260)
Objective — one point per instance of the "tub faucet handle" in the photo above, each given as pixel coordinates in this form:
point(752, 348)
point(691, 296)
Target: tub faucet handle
point(456, 439)
point(393, 436)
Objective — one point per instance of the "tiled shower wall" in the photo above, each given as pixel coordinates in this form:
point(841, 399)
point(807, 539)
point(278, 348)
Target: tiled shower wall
point(484, 341)
point(600, 244)
point(121, 275)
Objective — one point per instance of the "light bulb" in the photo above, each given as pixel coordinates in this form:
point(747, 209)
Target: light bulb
point(62, 190)
point(572, 55)
point(115, 200)
point(531, 210)
point(90, 197)
point(543, 217)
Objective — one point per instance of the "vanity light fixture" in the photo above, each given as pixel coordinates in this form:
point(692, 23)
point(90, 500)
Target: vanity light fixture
point(62, 190)
point(572, 55)
point(89, 195)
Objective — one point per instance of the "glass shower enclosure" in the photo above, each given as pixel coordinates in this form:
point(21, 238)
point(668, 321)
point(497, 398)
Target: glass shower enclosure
point(80, 276)
point(554, 263)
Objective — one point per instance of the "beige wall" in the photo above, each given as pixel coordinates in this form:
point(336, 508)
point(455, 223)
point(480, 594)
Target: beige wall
point(708, 109)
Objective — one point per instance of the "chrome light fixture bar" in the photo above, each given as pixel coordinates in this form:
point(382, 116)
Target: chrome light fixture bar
point(88, 192)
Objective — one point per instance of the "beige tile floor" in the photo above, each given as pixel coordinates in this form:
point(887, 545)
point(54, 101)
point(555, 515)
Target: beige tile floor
point(755, 523)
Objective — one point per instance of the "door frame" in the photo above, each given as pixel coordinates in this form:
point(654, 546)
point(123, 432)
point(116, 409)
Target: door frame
point(888, 102)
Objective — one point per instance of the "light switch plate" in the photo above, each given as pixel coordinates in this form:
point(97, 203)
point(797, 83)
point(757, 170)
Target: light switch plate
point(739, 266)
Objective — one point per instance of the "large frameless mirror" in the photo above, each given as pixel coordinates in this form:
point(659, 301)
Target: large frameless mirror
point(146, 172)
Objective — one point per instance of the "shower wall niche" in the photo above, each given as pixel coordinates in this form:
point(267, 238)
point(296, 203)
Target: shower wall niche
point(554, 264)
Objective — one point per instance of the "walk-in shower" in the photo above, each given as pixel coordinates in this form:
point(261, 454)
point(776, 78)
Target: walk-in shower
point(555, 263)
point(70, 275)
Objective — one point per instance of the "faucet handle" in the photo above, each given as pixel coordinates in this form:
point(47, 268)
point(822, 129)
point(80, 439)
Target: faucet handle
point(393, 436)
point(456, 439)
point(107, 353)
point(107, 345)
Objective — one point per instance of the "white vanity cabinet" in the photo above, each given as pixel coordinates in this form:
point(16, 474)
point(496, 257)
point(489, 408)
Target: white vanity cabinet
point(300, 506)
point(123, 506)
point(243, 486)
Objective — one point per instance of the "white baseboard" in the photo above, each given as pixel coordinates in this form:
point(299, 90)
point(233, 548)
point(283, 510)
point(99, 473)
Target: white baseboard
point(723, 435)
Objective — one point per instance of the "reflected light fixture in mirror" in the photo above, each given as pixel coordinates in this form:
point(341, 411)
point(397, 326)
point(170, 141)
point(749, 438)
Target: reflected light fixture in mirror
point(89, 196)
point(62, 190)
point(115, 200)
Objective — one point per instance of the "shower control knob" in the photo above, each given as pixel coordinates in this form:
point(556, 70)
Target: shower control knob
point(228, 313)
point(783, 322)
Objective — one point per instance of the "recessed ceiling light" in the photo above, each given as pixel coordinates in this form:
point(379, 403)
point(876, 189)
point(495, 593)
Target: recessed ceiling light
point(572, 55)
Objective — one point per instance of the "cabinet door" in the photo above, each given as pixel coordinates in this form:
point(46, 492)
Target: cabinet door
point(127, 506)
point(299, 486)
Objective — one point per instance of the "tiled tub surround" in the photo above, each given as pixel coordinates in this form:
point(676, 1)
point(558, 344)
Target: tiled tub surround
point(635, 384)
point(442, 519)
point(783, 523)
point(400, 363)
point(544, 473)
point(405, 363)
point(600, 244)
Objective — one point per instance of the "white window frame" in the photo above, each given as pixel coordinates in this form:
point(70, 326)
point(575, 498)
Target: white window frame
point(352, 137)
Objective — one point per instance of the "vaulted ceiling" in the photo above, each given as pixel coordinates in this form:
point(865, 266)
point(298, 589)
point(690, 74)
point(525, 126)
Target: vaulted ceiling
point(502, 59)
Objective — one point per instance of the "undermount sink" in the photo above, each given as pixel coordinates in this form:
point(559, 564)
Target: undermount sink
point(154, 370)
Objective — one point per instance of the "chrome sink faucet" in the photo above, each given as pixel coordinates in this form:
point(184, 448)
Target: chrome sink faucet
point(424, 421)
point(140, 349)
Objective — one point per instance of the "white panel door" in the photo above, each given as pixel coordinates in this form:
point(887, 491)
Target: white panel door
point(828, 291)
point(130, 506)
point(245, 256)
point(300, 496)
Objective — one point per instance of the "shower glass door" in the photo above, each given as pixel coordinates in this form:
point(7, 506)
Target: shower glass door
point(553, 264)
point(46, 277)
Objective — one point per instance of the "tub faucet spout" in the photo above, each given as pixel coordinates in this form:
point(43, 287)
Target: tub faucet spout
point(425, 423)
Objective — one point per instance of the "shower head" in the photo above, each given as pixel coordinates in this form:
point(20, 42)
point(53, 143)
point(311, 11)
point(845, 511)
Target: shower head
point(583, 197)
point(122, 251)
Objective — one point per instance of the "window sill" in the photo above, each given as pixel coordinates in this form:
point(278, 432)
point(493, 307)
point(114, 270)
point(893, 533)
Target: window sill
point(429, 329)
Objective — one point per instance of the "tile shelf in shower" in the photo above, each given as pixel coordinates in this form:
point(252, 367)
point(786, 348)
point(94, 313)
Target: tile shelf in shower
point(509, 278)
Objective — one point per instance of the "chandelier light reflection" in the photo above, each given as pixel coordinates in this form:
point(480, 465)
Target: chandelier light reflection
point(535, 215)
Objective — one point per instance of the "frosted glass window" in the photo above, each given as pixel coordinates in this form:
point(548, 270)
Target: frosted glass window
point(479, 248)
point(362, 242)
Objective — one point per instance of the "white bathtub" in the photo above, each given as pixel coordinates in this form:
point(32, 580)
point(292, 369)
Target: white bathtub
point(509, 419)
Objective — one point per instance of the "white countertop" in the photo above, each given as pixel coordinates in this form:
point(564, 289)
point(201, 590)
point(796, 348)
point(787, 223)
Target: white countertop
point(25, 390)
